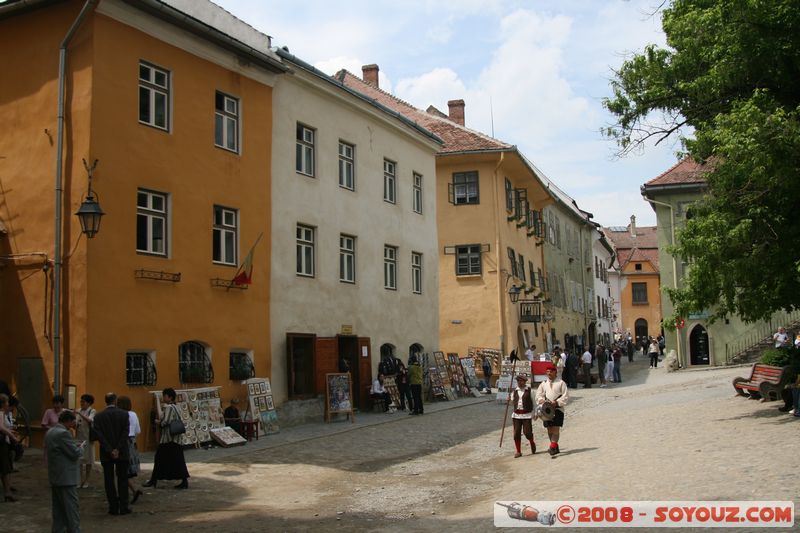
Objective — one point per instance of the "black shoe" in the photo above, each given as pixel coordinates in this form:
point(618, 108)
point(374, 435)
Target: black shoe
point(182, 485)
point(136, 496)
point(125, 511)
point(784, 409)
point(113, 512)
point(150, 483)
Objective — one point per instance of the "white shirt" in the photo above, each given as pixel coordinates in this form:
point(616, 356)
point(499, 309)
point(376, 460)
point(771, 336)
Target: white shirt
point(780, 339)
point(377, 387)
point(550, 390)
point(529, 354)
point(586, 357)
point(521, 416)
point(134, 428)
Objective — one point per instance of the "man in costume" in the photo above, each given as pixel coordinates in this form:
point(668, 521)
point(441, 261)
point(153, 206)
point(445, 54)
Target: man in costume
point(554, 391)
point(522, 401)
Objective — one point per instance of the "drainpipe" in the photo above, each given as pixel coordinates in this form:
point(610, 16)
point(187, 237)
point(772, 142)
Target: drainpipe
point(674, 271)
point(497, 245)
point(57, 260)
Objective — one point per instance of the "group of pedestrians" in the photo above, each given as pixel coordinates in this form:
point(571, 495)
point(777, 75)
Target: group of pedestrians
point(408, 381)
point(69, 453)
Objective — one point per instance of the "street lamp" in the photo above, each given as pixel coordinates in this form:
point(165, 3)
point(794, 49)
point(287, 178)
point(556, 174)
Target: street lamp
point(90, 212)
point(513, 293)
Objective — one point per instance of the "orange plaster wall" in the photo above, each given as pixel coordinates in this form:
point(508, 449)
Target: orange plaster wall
point(650, 311)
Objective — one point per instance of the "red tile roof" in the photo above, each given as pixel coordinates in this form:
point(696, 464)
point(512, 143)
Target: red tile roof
point(684, 171)
point(643, 247)
point(456, 138)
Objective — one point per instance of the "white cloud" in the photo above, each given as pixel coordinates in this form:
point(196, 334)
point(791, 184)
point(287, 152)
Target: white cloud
point(614, 208)
point(434, 87)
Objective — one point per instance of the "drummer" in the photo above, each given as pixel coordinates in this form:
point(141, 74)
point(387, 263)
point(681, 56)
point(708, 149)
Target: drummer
point(554, 391)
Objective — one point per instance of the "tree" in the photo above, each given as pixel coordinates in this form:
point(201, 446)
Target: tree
point(730, 76)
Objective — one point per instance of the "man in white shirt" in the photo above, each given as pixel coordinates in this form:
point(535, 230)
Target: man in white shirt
point(586, 362)
point(522, 402)
point(554, 391)
point(781, 338)
point(529, 353)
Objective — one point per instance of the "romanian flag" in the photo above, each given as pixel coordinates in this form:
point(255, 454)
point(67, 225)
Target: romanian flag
point(244, 276)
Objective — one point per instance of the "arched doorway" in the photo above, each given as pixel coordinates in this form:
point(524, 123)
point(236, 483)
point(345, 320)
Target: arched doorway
point(592, 334)
point(698, 346)
point(640, 330)
point(415, 349)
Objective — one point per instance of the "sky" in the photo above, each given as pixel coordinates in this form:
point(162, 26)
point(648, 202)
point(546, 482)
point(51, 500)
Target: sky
point(534, 72)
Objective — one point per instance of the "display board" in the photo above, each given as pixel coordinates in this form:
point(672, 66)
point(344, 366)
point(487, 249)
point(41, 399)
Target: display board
point(508, 372)
point(391, 387)
point(493, 354)
point(227, 437)
point(200, 411)
point(457, 380)
point(260, 404)
point(468, 364)
point(437, 389)
point(443, 366)
point(338, 395)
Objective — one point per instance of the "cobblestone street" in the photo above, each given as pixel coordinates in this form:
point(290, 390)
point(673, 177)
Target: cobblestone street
point(656, 436)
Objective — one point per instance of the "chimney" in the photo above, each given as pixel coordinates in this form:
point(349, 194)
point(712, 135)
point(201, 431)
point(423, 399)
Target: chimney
point(369, 73)
point(456, 111)
point(633, 226)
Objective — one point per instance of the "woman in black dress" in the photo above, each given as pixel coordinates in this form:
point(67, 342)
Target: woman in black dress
point(169, 462)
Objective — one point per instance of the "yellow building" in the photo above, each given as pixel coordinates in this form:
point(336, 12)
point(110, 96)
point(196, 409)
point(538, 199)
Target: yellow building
point(177, 111)
point(640, 282)
point(489, 200)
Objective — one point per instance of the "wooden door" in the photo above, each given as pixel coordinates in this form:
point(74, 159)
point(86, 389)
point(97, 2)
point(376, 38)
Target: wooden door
point(364, 369)
point(326, 361)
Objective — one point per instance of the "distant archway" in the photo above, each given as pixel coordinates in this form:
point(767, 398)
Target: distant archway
point(698, 346)
point(415, 349)
point(640, 330)
point(387, 351)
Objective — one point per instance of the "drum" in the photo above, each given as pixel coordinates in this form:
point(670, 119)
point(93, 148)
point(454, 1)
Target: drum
point(547, 411)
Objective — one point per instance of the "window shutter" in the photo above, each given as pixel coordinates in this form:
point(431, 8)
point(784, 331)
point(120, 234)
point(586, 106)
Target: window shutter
point(451, 193)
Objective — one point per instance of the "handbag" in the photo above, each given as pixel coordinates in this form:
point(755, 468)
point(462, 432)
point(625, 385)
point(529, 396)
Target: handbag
point(176, 426)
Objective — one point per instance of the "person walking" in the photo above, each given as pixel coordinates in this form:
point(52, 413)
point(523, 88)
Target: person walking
point(586, 361)
point(169, 462)
point(63, 473)
point(572, 375)
point(8, 440)
point(522, 401)
point(652, 351)
point(601, 358)
point(554, 391)
point(124, 403)
point(403, 386)
point(487, 371)
point(415, 378)
point(83, 431)
point(617, 355)
point(629, 348)
point(609, 365)
point(111, 427)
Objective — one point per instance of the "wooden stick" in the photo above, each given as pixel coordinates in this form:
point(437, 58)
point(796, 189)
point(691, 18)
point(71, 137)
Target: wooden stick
point(508, 401)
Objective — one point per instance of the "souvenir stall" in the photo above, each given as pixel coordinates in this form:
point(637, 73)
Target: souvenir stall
point(200, 410)
point(260, 405)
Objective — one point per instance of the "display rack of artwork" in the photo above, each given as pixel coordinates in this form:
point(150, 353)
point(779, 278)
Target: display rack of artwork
point(227, 437)
point(200, 410)
point(338, 395)
point(481, 353)
point(437, 389)
point(505, 382)
point(260, 404)
point(391, 387)
point(457, 379)
point(468, 364)
point(444, 372)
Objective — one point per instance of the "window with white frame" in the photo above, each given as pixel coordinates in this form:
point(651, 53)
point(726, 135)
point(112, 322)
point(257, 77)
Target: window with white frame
point(140, 368)
point(347, 259)
point(304, 153)
point(154, 87)
point(226, 122)
point(417, 199)
point(347, 157)
point(416, 273)
point(390, 267)
point(151, 222)
point(305, 250)
point(226, 226)
point(468, 260)
point(389, 181)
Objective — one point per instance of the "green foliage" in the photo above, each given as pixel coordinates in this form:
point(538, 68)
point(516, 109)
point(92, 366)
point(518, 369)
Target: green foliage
point(730, 73)
point(782, 357)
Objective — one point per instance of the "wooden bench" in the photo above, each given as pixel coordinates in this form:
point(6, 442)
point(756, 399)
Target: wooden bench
point(765, 382)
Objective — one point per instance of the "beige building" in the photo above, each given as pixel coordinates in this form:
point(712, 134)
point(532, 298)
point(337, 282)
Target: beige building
point(354, 236)
point(489, 211)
